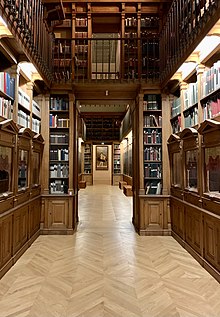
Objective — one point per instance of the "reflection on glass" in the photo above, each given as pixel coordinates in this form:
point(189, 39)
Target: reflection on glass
point(177, 172)
point(212, 169)
point(22, 169)
point(36, 168)
point(5, 169)
point(191, 169)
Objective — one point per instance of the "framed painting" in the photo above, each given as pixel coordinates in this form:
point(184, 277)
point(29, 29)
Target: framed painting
point(101, 157)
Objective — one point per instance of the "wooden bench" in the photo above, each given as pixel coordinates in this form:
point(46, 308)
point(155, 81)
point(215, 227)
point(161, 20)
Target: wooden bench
point(127, 190)
point(121, 184)
point(82, 184)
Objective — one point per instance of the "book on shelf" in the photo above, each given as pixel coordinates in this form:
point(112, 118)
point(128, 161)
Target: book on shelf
point(211, 79)
point(211, 108)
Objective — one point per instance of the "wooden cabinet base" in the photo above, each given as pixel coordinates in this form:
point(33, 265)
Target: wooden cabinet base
point(154, 218)
point(58, 214)
point(198, 232)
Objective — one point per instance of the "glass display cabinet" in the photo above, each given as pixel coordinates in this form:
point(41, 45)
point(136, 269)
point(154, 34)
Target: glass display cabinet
point(8, 131)
point(24, 148)
point(5, 169)
point(37, 146)
point(189, 137)
point(23, 163)
point(174, 148)
point(210, 131)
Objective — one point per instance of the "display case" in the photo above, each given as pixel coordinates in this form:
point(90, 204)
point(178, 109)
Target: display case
point(174, 148)
point(210, 131)
point(8, 131)
point(189, 136)
point(116, 159)
point(37, 146)
point(24, 158)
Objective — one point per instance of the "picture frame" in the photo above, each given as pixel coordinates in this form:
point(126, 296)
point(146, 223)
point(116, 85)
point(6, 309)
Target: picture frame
point(101, 157)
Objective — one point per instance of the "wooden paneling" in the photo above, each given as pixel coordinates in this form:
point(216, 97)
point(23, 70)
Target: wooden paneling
point(57, 214)
point(20, 228)
point(194, 228)
point(6, 242)
point(34, 216)
point(212, 240)
point(177, 217)
point(154, 215)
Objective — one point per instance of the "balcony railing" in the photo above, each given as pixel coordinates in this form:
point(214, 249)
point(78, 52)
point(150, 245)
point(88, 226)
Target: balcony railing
point(117, 59)
point(187, 23)
point(25, 20)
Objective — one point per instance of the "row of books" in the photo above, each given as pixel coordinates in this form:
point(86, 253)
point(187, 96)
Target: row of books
point(62, 62)
point(23, 99)
point(191, 95)
point(59, 154)
point(81, 22)
point(191, 117)
point(176, 107)
point(211, 79)
point(151, 48)
point(152, 153)
point(36, 125)
point(131, 21)
point(59, 103)
point(59, 187)
point(62, 48)
point(211, 108)
point(62, 138)
point(56, 122)
point(152, 121)
point(150, 21)
point(131, 35)
point(152, 170)
point(81, 48)
point(7, 84)
point(81, 35)
point(6, 108)
point(152, 136)
point(36, 109)
point(59, 170)
point(153, 188)
point(23, 119)
point(152, 102)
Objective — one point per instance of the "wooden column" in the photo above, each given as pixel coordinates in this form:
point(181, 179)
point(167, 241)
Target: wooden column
point(183, 87)
point(166, 131)
point(89, 17)
point(73, 43)
point(199, 71)
point(15, 73)
point(45, 131)
point(139, 41)
point(122, 68)
point(140, 140)
point(30, 87)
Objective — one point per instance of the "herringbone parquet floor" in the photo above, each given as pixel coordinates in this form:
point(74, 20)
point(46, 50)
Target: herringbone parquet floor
point(107, 270)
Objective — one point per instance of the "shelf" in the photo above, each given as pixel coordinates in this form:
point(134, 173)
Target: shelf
point(59, 144)
point(152, 161)
point(190, 107)
point(210, 95)
point(175, 117)
point(153, 178)
point(4, 95)
point(59, 111)
point(152, 127)
point(59, 177)
point(150, 144)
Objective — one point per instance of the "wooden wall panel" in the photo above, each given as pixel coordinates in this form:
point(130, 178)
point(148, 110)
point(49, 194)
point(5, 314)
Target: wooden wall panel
point(6, 238)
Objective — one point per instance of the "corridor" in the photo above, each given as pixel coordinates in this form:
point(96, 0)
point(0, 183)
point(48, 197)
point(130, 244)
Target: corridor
point(107, 270)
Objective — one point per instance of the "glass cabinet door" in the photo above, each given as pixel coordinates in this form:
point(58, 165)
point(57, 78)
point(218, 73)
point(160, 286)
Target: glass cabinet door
point(22, 169)
point(5, 169)
point(35, 168)
point(212, 169)
point(191, 169)
point(177, 171)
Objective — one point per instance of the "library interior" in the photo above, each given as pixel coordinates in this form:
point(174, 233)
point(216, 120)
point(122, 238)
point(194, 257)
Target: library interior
point(120, 93)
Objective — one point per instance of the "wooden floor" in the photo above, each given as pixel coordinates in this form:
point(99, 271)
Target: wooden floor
point(106, 269)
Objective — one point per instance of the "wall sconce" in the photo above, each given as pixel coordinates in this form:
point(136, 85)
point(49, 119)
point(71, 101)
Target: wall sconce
point(106, 92)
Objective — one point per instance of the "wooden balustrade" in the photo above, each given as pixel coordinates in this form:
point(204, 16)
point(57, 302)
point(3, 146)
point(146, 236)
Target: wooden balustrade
point(187, 23)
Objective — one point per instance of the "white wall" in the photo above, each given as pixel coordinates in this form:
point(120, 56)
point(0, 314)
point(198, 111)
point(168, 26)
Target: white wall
point(102, 176)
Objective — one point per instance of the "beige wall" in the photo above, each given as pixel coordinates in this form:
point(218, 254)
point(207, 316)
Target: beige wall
point(102, 176)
